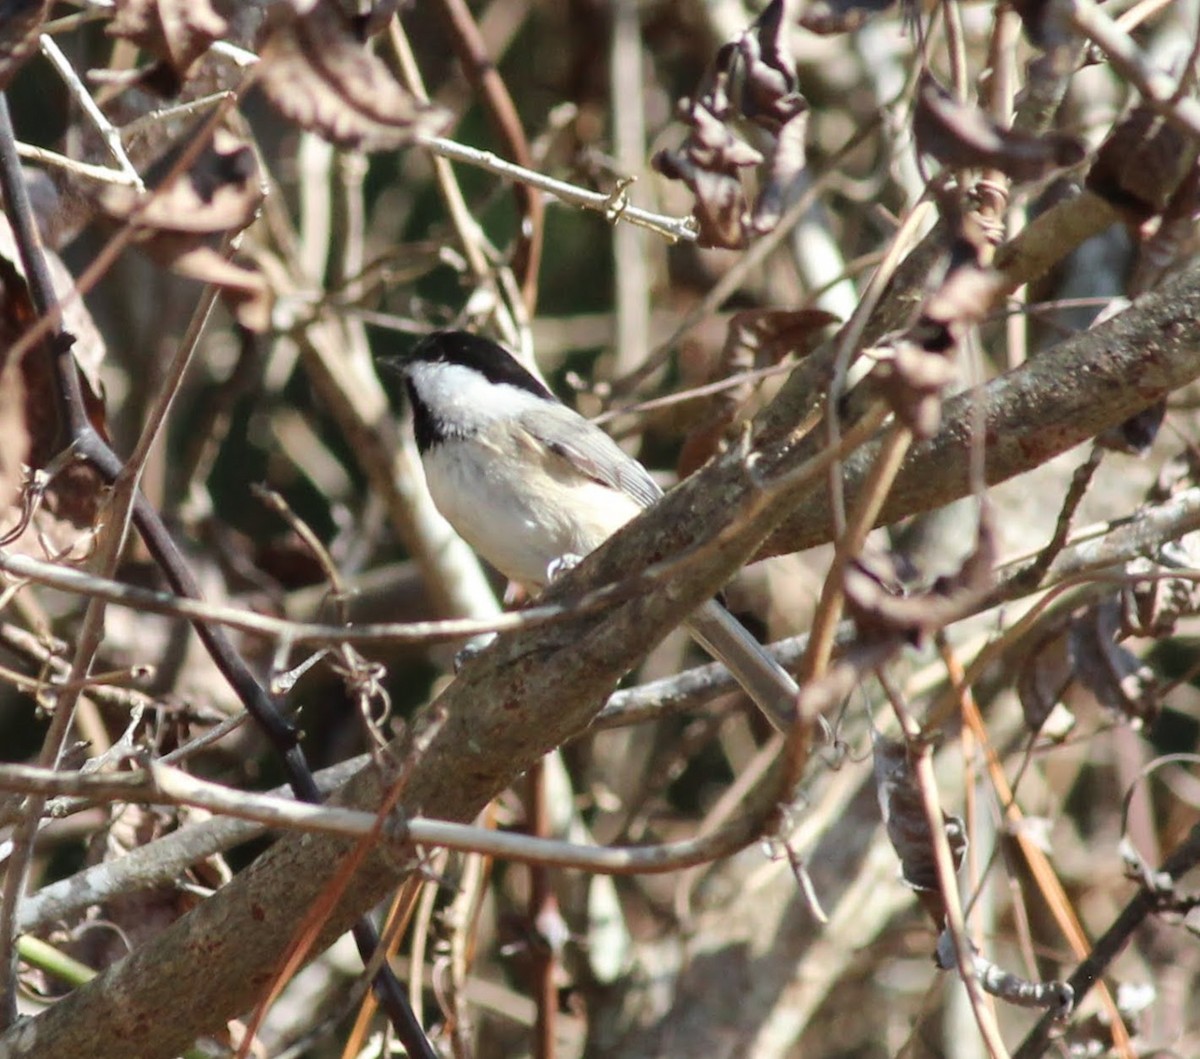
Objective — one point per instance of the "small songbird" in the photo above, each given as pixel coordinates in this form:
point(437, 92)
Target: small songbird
point(529, 483)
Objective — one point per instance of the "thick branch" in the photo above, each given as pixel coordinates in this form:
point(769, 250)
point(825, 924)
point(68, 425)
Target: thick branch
point(1060, 399)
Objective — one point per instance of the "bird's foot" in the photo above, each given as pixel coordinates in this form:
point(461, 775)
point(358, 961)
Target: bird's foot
point(561, 565)
point(470, 650)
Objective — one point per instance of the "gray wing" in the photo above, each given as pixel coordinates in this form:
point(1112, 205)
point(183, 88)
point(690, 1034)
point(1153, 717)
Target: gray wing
point(591, 451)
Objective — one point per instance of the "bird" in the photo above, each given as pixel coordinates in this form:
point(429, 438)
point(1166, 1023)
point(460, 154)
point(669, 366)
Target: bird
point(533, 486)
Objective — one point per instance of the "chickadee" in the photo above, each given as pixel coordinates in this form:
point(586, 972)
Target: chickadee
point(526, 481)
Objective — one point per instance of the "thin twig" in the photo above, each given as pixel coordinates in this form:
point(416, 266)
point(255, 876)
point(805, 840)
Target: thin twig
point(112, 138)
point(99, 173)
point(613, 207)
point(1157, 87)
point(69, 579)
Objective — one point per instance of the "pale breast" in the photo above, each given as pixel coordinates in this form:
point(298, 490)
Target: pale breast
point(521, 523)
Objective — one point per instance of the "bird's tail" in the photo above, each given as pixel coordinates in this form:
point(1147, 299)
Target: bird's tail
point(761, 677)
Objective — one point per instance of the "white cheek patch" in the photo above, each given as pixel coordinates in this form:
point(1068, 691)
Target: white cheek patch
point(465, 401)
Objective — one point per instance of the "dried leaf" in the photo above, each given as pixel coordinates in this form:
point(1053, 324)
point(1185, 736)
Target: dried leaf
point(1044, 676)
point(962, 136)
point(1112, 673)
point(317, 73)
point(179, 31)
point(903, 809)
point(753, 78)
point(787, 161)
point(1081, 649)
point(963, 298)
point(911, 379)
point(20, 21)
point(1142, 164)
point(880, 612)
point(914, 369)
point(220, 193)
point(770, 98)
point(708, 162)
point(247, 291)
point(88, 348)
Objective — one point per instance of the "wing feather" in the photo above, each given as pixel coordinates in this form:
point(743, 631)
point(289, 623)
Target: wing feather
point(591, 452)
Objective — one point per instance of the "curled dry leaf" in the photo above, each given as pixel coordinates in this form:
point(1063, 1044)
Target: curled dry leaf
point(912, 379)
point(245, 289)
point(316, 72)
point(881, 613)
point(771, 99)
point(1142, 164)
point(754, 339)
point(754, 79)
point(20, 21)
point(708, 163)
point(88, 346)
point(29, 429)
point(1080, 649)
point(913, 369)
point(178, 31)
point(1044, 675)
point(179, 221)
point(220, 193)
point(962, 136)
point(903, 809)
